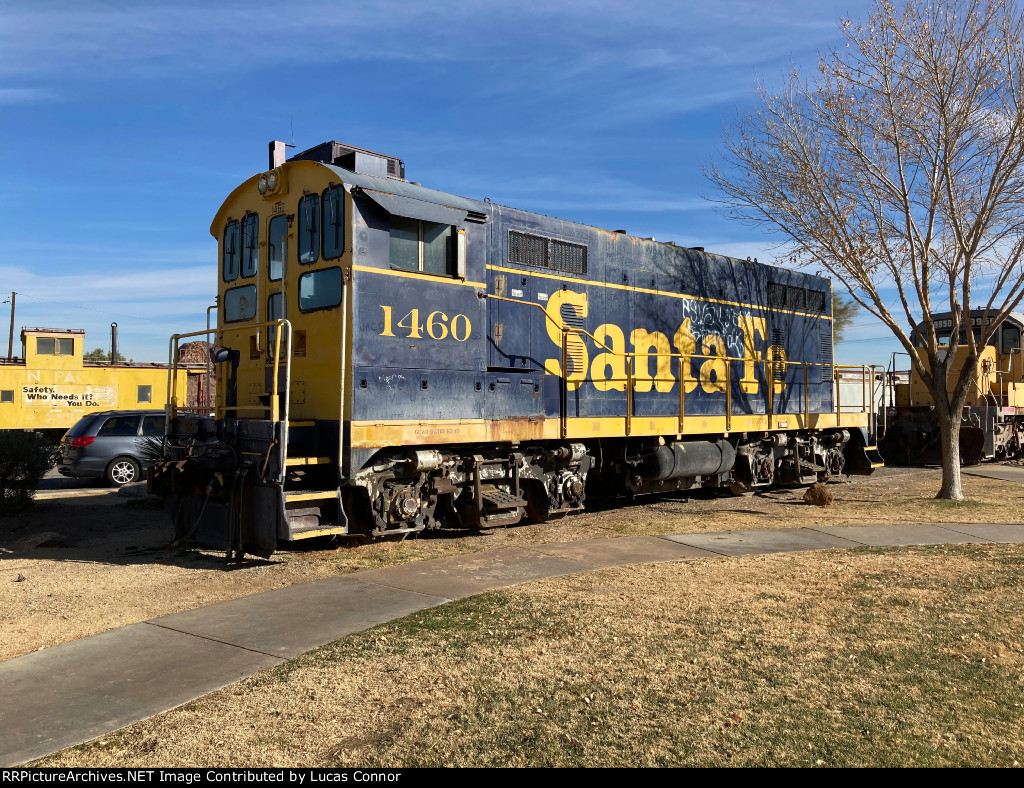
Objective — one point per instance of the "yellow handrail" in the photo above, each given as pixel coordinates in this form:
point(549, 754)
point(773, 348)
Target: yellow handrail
point(220, 410)
point(769, 365)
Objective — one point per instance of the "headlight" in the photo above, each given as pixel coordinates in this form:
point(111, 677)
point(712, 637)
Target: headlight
point(263, 184)
point(272, 180)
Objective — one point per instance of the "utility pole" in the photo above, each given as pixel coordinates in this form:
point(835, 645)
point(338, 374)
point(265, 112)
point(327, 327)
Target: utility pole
point(10, 336)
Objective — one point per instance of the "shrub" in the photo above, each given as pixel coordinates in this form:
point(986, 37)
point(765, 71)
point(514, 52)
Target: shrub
point(25, 457)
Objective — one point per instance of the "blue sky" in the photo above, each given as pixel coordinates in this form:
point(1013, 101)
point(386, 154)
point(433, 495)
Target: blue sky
point(125, 124)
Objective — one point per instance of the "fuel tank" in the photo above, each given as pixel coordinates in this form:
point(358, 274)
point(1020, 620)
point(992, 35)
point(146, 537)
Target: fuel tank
point(681, 459)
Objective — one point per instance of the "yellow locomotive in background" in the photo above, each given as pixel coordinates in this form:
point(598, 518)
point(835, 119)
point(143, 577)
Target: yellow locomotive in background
point(992, 426)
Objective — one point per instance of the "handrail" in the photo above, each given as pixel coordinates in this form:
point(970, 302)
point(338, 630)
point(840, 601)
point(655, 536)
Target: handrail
point(210, 404)
point(769, 365)
point(275, 405)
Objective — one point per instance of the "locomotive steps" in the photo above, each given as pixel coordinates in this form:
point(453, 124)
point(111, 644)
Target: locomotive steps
point(311, 505)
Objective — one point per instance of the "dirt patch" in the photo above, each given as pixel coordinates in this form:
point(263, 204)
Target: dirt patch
point(108, 567)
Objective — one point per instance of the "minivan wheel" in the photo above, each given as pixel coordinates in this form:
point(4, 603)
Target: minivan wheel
point(122, 470)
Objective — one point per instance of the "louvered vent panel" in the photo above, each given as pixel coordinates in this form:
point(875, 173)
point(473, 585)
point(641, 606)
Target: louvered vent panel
point(825, 354)
point(541, 252)
point(571, 258)
point(777, 354)
point(776, 294)
point(527, 249)
point(577, 351)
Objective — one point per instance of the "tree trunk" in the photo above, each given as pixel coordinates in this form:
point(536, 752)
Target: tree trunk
point(949, 434)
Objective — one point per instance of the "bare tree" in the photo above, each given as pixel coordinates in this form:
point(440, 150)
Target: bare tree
point(899, 168)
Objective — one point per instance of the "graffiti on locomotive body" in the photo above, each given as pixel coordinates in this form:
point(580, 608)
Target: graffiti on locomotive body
point(709, 333)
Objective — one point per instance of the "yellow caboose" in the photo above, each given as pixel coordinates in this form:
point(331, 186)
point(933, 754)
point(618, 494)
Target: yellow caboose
point(51, 386)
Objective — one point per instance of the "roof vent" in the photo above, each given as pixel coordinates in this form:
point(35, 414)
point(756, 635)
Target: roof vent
point(355, 159)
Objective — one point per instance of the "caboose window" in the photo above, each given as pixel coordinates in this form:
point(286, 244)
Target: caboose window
point(240, 304)
point(333, 223)
point(276, 232)
point(309, 228)
point(320, 289)
point(229, 252)
point(48, 346)
point(250, 244)
point(418, 245)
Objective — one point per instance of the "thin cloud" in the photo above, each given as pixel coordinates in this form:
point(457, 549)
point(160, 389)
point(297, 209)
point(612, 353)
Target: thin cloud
point(127, 288)
point(166, 38)
point(26, 95)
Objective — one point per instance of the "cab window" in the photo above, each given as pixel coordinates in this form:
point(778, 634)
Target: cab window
point(418, 245)
point(276, 243)
point(229, 252)
point(320, 289)
point(275, 311)
point(240, 304)
point(1011, 338)
point(250, 244)
point(333, 223)
point(309, 228)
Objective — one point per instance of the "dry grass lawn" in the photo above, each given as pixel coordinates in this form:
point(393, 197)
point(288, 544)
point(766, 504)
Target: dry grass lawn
point(110, 570)
point(896, 657)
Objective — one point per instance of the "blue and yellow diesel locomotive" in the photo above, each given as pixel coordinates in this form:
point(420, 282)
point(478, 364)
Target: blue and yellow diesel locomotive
point(391, 358)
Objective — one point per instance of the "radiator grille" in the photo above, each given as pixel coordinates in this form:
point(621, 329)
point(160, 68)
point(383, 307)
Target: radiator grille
point(528, 249)
point(540, 252)
point(571, 258)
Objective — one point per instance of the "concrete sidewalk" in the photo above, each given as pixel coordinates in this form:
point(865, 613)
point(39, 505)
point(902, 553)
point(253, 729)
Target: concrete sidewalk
point(69, 694)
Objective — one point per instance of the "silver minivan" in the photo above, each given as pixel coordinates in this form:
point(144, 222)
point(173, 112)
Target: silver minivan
point(115, 445)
